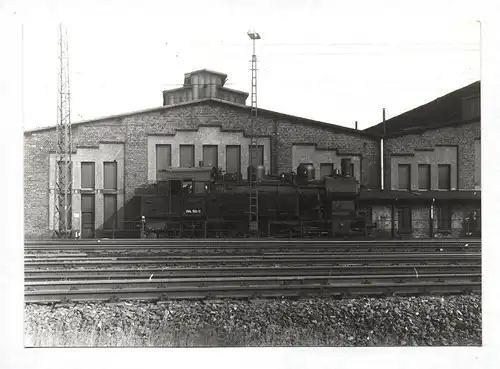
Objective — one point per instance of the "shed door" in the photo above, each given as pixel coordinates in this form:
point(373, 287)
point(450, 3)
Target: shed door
point(210, 156)
point(404, 219)
point(233, 160)
point(110, 212)
point(88, 216)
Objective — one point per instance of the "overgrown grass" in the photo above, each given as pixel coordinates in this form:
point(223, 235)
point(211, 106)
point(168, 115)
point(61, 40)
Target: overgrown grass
point(206, 337)
point(319, 322)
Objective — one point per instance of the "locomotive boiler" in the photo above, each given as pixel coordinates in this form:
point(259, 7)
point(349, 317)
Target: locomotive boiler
point(201, 202)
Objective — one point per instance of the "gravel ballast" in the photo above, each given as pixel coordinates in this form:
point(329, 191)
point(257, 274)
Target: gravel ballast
point(397, 321)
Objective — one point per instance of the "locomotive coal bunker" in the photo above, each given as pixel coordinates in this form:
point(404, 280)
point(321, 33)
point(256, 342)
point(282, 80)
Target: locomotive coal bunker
point(201, 202)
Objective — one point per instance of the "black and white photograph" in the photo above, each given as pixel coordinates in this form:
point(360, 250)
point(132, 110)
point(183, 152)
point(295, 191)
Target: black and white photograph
point(237, 174)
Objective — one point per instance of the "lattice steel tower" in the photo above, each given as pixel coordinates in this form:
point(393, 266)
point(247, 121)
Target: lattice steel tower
point(254, 192)
point(63, 165)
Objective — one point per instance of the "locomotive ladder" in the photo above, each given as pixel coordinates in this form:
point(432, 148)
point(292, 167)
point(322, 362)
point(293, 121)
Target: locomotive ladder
point(254, 195)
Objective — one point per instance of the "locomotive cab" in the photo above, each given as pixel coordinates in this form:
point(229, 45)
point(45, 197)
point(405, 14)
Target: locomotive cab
point(180, 198)
point(342, 192)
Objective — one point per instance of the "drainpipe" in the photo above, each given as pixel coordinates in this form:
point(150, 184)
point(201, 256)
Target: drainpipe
point(432, 219)
point(382, 164)
point(382, 154)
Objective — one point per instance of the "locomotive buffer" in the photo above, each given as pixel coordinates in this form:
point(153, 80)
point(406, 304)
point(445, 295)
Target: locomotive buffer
point(252, 180)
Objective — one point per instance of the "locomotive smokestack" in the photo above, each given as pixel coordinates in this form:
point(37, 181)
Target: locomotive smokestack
point(345, 166)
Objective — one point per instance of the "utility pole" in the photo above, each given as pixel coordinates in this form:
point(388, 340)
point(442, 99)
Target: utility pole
point(254, 191)
point(63, 165)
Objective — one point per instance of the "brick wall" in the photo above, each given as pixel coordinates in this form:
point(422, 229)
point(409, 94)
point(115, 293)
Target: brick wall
point(37, 149)
point(433, 157)
point(463, 137)
point(135, 129)
point(420, 213)
point(344, 143)
point(230, 118)
point(206, 135)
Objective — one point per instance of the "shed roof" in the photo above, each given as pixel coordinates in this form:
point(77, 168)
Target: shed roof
point(291, 118)
point(443, 111)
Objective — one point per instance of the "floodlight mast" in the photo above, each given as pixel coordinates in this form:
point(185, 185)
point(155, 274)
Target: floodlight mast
point(252, 180)
point(63, 163)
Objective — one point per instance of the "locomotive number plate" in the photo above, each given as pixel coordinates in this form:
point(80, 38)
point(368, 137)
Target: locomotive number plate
point(193, 211)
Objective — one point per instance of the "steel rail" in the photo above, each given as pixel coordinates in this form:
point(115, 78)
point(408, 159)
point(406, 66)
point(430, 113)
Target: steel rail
point(305, 256)
point(251, 258)
point(243, 281)
point(95, 274)
point(258, 251)
point(148, 256)
point(292, 290)
point(219, 241)
point(304, 245)
point(246, 262)
point(280, 248)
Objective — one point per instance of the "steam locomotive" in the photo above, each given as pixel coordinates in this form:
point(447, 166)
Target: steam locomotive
point(202, 202)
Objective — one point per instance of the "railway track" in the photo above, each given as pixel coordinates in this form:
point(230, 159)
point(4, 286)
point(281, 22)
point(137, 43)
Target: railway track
point(267, 260)
point(246, 246)
point(262, 291)
point(128, 273)
point(152, 270)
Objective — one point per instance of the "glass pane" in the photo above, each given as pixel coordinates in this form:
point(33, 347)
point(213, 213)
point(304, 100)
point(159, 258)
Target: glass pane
point(257, 155)
point(233, 161)
point(210, 156)
point(404, 176)
point(444, 176)
point(424, 176)
point(163, 157)
point(88, 203)
point(187, 156)
point(110, 169)
point(87, 219)
point(88, 175)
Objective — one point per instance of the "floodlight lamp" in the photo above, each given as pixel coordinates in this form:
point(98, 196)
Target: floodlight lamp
point(253, 35)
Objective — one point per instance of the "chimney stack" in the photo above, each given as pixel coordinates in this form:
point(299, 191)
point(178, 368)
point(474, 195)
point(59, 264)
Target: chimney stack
point(356, 125)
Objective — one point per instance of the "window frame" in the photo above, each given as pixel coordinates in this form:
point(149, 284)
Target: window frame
point(169, 164)
point(193, 156)
point(428, 182)
point(258, 147)
point(82, 165)
point(448, 188)
point(115, 164)
point(216, 165)
point(238, 148)
point(331, 165)
point(409, 177)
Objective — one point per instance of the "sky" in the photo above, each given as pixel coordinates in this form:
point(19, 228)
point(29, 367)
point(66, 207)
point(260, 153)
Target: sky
point(319, 60)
